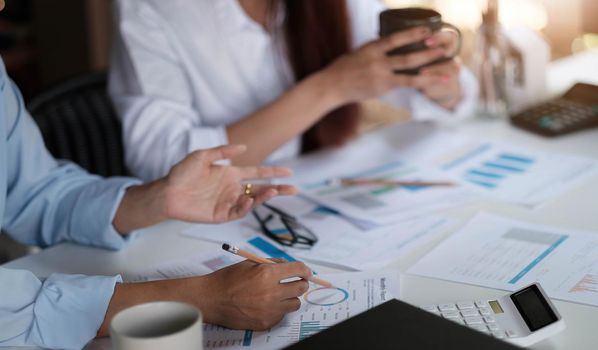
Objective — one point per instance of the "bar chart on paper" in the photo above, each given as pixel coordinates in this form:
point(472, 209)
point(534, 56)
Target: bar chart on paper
point(492, 173)
point(387, 204)
point(321, 308)
point(511, 174)
point(506, 254)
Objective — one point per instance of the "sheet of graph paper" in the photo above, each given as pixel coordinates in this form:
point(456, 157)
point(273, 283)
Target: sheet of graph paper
point(502, 253)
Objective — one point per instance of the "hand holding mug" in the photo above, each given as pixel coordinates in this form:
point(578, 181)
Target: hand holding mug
point(446, 35)
point(368, 72)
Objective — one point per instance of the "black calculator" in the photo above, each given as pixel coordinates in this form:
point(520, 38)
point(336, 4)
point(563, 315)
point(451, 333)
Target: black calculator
point(576, 110)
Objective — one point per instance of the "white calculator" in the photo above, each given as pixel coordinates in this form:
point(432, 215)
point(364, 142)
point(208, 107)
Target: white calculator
point(522, 318)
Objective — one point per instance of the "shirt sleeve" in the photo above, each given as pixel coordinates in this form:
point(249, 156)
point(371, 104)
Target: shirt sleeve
point(150, 90)
point(365, 25)
point(50, 201)
point(62, 312)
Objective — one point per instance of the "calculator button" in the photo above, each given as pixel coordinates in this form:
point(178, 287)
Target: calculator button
point(429, 308)
point(493, 327)
point(484, 311)
point(489, 319)
point(447, 307)
point(473, 320)
point(465, 305)
point(469, 313)
point(458, 320)
point(450, 314)
point(510, 333)
point(480, 303)
point(499, 335)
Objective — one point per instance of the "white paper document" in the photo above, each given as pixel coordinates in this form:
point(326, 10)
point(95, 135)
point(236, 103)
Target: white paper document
point(497, 252)
point(383, 205)
point(194, 265)
point(341, 243)
point(514, 174)
point(321, 308)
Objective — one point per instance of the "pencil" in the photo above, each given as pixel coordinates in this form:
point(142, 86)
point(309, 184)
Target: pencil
point(384, 182)
point(258, 259)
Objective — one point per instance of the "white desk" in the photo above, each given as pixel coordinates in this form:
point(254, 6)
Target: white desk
point(577, 209)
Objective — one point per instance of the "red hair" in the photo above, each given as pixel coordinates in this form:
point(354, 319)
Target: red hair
point(318, 32)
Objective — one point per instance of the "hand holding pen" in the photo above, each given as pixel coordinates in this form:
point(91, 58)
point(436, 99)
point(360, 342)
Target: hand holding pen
point(259, 260)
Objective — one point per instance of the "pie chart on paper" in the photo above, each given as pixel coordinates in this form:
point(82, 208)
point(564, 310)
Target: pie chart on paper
point(326, 296)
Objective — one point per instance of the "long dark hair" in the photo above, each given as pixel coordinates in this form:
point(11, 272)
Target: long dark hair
point(317, 32)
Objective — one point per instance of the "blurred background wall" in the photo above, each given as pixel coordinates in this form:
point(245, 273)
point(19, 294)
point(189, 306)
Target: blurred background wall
point(44, 42)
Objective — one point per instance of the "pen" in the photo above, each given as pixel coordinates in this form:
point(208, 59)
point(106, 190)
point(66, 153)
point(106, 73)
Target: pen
point(383, 182)
point(259, 260)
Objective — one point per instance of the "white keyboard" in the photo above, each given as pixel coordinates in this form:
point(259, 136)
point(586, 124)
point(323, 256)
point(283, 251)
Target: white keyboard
point(476, 315)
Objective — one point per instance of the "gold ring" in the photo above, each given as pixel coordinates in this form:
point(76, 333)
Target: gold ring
point(247, 189)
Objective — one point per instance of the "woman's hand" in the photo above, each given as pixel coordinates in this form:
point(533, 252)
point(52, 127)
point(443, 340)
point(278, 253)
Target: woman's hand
point(369, 72)
point(440, 82)
point(197, 190)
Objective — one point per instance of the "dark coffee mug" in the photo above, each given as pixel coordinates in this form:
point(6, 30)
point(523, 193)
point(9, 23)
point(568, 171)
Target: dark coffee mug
point(397, 20)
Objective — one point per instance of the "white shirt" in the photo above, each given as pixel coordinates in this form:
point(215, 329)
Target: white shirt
point(182, 70)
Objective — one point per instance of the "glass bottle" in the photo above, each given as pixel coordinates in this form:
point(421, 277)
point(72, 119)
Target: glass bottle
point(490, 64)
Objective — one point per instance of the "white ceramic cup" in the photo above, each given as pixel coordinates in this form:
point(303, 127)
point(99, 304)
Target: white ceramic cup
point(157, 326)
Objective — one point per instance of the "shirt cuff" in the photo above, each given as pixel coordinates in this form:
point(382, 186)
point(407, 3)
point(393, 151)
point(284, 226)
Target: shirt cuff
point(95, 213)
point(424, 109)
point(204, 138)
point(70, 309)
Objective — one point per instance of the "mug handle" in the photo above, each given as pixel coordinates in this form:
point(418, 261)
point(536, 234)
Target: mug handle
point(459, 35)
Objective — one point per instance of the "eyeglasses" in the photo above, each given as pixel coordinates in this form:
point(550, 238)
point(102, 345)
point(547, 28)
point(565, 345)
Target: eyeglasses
point(284, 228)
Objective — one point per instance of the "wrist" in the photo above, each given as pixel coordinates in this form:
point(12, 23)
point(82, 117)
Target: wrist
point(142, 206)
point(324, 85)
point(203, 293)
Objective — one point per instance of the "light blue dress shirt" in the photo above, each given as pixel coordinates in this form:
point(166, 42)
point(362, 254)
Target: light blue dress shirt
point(43, 202)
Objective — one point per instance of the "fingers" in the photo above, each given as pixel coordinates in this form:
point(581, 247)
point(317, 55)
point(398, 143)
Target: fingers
point(264, 196)
point(282, 190)
point(291, 305)
point(440, 81)
point(424, 81)
point(446, 40)
point(451, 67)
point(399, 39)
point(261, 194)
point(416, 59)
point(293, 289)
point(292, 269)
point(223, 152)
point(264, 172)
point(242, 207)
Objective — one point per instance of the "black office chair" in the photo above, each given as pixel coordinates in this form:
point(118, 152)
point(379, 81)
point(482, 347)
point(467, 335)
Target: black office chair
point(78, 123)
